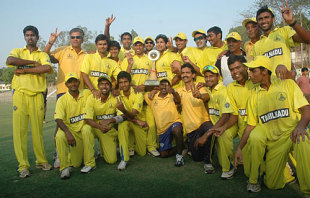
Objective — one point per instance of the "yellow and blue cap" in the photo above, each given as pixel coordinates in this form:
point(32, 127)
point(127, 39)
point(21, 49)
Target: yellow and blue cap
point(260, 61)
point(71, 75)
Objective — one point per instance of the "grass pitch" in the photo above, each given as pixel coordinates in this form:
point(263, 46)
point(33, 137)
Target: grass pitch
point(144, 176)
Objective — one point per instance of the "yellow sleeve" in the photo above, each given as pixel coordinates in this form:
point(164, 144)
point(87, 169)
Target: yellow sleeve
point(124, 65)
point(89, 109)
point(60, 109)
point(232, 100)
point(146, 98)
point(86, 64)
point(252, 117)
point(189, 54)
point(58, 53)
point(289, 33)
point(225, 106)
point(14, 53)
point(45, 60)
point(116, 69)
point(138, 104)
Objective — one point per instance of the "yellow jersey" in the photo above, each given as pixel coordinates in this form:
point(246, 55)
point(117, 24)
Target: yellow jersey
point(248, 48)
point(134, 101)
point(122, 53)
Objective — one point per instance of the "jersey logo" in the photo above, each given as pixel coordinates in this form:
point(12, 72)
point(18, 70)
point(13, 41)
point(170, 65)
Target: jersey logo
point(139, 71)
point(214, 112)
point(281, 96)
point(277, 38)
point(242, 112)
point(108, 66)
point(15, 108)
point(276, 114)
point(227, 105)
point(76, 119)
point(274, 52)
point(104, 117)
point(69, 56)
point(97, 73)
point(161, 74)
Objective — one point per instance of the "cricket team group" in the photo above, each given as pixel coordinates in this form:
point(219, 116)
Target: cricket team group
point(206, 97)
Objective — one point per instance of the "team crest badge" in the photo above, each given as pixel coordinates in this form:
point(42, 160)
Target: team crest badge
point(15, 108)
point(281, 96)
point(227, 105)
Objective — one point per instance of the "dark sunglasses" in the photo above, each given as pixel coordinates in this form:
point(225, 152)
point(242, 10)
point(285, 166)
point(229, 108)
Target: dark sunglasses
point(198, 38)
point(150, 42)
point(76, 37)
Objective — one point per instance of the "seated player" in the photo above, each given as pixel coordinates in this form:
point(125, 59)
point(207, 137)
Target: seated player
point(168, 121)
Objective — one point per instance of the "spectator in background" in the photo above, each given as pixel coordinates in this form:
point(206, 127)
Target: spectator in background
point(303, 82)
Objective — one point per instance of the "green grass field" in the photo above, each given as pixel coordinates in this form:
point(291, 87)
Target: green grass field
point(144, 177)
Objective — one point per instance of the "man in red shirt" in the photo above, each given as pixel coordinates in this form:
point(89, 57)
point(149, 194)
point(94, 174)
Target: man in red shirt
point(303, 83)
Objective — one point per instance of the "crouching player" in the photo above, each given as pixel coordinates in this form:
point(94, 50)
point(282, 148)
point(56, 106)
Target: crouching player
point(69, 115)
point(219, 111)
point(99, 116)
point(168, 120)
point(275, 127)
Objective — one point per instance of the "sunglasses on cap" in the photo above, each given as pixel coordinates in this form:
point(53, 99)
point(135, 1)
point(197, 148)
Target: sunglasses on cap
point(76, 37)
point(198, 38)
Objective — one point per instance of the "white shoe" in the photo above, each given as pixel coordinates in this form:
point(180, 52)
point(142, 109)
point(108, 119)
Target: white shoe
point(65, 173)
point(122, 165)
point(24, 173)
point(209, 169)
point(179, 160)
point(155, 153)
point(228, 174)
point(131, 153)
point(87, 169)
point(57, 163)
point(253, 187)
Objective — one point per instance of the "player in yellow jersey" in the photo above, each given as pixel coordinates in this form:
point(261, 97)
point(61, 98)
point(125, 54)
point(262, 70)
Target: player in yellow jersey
point(100, 116)
point(253, 33)
point(200, 39)
point(219, 110)
point(169, 64)
point(149, 44)
point(29, 84)
point(114, 51)
point(196, 119)
point(130, 103)
point(275, 127)
point(168, 121)
point(69, 115)
point(275, 43)
point(98, 64)
point(139, 67)
point(126, 39)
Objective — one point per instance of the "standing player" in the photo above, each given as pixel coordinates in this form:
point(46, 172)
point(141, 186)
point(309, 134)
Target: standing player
point(29, 84)
point(130, 104)
point(195, 116)
point(149, 44)
point(100, 116)
point(69, 115)
point(253, 33)
point(275, 43)
point(168, 120)
point(97, 65)
point(276, 128)
point(126, 39)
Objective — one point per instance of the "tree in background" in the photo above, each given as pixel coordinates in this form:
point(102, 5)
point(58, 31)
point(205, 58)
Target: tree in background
point(7, 74)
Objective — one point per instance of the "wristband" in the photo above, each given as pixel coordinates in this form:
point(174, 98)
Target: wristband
point(292, 24)
point(118, 119)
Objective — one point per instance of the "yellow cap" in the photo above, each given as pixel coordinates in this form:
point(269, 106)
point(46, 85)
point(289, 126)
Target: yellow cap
point(104, 76)
point(138, 39)
point(246, 21)
point(199, 31)
point(180, 35)
point(149, 38)
point(234, 35)
point(165, 79)
point(210, 68)
point(71, 75)
point(259, 61)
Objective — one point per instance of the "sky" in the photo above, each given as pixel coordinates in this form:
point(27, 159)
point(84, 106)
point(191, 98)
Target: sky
point(147, 18)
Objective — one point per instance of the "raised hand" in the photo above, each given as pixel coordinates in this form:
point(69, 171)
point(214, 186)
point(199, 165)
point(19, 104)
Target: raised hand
point(287, 14)
point(170, 43)
point(109, 21)
point(185, 59)
point(129, 58)
point(196, 93)
point(169, 89)
point(54, 36)
point(119, 105)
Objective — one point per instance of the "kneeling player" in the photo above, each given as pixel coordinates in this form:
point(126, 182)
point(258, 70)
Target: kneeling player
point(168, 121)
point(99, 116)
point(70, 118)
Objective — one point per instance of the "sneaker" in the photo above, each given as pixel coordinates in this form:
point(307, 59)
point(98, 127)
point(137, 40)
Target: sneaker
point(122, 165)
point(228, 174)
point(24, 173)
point(179, 161)
point(253, 187)
point(65, 173)
point(57, 163)
point(154, 153)
point(87, 169)
point(209, 169)
point(45, 166)
point(131, 153)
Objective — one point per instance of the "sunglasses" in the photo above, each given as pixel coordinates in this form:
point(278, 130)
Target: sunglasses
point(149, 42)
point(76, 37)
point(198, 38)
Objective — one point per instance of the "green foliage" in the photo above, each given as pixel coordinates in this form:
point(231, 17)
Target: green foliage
point(7, 75)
